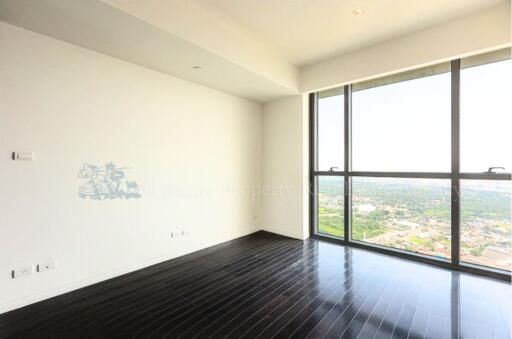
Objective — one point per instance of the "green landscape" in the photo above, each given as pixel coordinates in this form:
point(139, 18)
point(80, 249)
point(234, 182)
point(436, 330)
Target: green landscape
point(415, 215)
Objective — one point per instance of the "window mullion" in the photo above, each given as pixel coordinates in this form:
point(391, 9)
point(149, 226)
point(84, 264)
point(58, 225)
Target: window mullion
point(455, 160)
point(312, 161)
point(348, 162)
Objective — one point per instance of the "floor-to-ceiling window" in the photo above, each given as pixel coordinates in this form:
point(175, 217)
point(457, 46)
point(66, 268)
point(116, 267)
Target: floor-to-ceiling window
point(330, 150)
point(485, 142)
point(411, 163)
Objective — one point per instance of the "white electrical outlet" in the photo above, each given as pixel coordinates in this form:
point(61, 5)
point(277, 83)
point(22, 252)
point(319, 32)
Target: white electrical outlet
point(22, 271)
point(47, 265)
point(179, 234)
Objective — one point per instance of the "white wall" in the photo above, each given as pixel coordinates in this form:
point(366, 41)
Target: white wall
point(285, 167)
point(487, 30)
point(195, 153)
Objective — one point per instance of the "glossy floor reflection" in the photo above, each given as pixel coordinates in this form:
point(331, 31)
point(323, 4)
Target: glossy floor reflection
point(265, 286)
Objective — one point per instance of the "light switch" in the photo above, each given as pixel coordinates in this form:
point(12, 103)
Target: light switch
point(28, 156)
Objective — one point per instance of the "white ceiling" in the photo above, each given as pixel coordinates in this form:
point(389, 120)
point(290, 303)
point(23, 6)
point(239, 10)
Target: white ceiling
point(98, 26)
point(255, 49)
point(309, 31)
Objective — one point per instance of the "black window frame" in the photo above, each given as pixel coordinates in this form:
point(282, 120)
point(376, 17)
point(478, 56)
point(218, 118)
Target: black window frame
point(454, 175)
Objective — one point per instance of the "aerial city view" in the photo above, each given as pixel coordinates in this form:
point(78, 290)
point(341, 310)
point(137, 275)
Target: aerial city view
point(414, 215)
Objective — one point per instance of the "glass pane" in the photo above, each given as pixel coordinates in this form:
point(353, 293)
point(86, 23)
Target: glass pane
point(408, 214)
point(330, 132)
point(404, 126)
point(331, 205)
point(486, 117)
point(486, 223)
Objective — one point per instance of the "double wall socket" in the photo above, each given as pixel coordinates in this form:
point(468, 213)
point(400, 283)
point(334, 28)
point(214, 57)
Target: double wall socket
point(177, 234)
point(29, 269)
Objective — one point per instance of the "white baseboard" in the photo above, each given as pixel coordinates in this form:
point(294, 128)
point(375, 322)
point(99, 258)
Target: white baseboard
point(285, 232)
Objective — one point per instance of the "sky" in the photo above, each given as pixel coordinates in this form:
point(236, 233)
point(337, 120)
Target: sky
point(405, 126)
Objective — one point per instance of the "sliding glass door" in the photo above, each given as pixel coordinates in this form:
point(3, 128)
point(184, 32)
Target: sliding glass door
point(418, 163)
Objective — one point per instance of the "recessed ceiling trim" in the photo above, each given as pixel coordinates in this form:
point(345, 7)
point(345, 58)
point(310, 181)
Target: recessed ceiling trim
point(102, 28)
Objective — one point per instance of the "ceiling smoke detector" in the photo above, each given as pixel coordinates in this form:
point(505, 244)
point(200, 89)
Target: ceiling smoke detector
point(358, 11)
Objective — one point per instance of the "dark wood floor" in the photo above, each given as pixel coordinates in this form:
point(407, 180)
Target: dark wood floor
point(269, 286)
